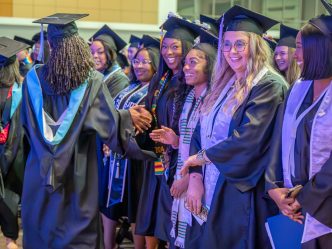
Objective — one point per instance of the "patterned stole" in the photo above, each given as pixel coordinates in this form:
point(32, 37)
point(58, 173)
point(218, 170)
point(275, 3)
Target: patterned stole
point(160, 163)
point(118, 164)
point(180, 216)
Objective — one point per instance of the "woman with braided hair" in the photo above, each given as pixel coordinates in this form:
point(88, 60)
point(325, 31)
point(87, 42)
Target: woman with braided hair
point(65, 104)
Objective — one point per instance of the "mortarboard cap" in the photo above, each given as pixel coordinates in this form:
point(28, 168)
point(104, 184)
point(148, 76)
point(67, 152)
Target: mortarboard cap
point(61, 25)
point(149, 41)
point(270, 42)
point(107, 35)
point(213, 23)
point(134, 41)
point(24, 40)
point(207, 37)
point(287, 36)
point(238, 18)
point(8, 50)
point(323, 23)
point(36, 37)
point(180, 28)
point(327, 6)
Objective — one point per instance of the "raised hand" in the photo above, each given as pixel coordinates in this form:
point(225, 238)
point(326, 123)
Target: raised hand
point(165, 135)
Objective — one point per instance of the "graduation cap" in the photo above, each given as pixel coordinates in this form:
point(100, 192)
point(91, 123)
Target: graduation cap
point(207, 36)
point(287, 36)
point(24, 40)
point(8, 50)
point(60, 25)
point(323, 23)
point(327, 6)
point(36, 37)
point(149, 41)
point(238, 18)
point(134, 41)
point(181, 29)
point(213, 23)
point(112, 39)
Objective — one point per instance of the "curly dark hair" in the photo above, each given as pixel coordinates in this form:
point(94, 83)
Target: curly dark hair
point(69, 65)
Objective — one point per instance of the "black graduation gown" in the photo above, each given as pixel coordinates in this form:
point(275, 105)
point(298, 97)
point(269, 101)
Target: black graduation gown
point(154, 208)
point(60, 197)
point(12, 159)
point(117, 82)
point(12, 164)
point(239, 208)
point(24, 68)
point(133, 184)
point(315, 196)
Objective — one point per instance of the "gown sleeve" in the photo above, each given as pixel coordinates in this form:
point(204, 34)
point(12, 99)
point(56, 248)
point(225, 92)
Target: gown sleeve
point(316, 195)
point(242, 157)
point(274, 173)
point(195, 146)
point(114, 127)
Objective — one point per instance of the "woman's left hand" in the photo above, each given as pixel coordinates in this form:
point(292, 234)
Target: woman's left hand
point(192, 161)
point(180, 186)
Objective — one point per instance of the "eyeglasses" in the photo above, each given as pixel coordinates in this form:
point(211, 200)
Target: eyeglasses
point(136, 62)
point(239, 46)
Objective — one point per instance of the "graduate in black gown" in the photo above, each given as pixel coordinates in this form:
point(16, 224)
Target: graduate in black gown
point(167, 93)
point(232, 139)
point(11, 138)
point(301, 154)
point(65, 104)
point(121, 187)
point(105, 45)
point(40, 41)
point(197, 69)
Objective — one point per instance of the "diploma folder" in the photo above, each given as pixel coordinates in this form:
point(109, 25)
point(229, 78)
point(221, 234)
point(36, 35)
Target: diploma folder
point(283, 232)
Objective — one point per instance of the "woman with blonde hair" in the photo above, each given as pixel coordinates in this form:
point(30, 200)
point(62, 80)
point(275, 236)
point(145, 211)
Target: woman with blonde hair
point(230, 144)
point(284, 54)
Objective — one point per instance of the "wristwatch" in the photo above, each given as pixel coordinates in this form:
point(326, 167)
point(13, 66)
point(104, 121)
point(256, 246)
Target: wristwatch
point(201, 156)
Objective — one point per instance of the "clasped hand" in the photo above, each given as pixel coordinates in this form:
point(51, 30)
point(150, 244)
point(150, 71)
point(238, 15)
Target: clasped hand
point(141, 118)
point(287, 205)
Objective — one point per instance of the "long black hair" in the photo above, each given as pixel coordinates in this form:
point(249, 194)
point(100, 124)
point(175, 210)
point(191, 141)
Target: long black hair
point(317, 53)
point(179, 92)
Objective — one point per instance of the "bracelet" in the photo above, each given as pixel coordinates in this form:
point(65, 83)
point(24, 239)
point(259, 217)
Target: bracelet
point(201, 156)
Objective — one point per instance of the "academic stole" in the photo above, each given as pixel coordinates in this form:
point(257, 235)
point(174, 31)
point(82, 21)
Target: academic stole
point(180, 216)
point(118, 164)
point(159, 164)
point(5, 118)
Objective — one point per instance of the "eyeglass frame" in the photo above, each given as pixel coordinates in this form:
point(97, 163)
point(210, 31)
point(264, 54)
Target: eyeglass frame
point(136, 62)
point(233, 44)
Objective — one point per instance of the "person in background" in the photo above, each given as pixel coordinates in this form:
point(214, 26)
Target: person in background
point(63, 110)
point(105, 45)
point(197, 70)
point(23, 56)
point(12, 161)
point(301, 153)
point(134, 45)
point(284, 54)
point(226, 184)
point(40, 41)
